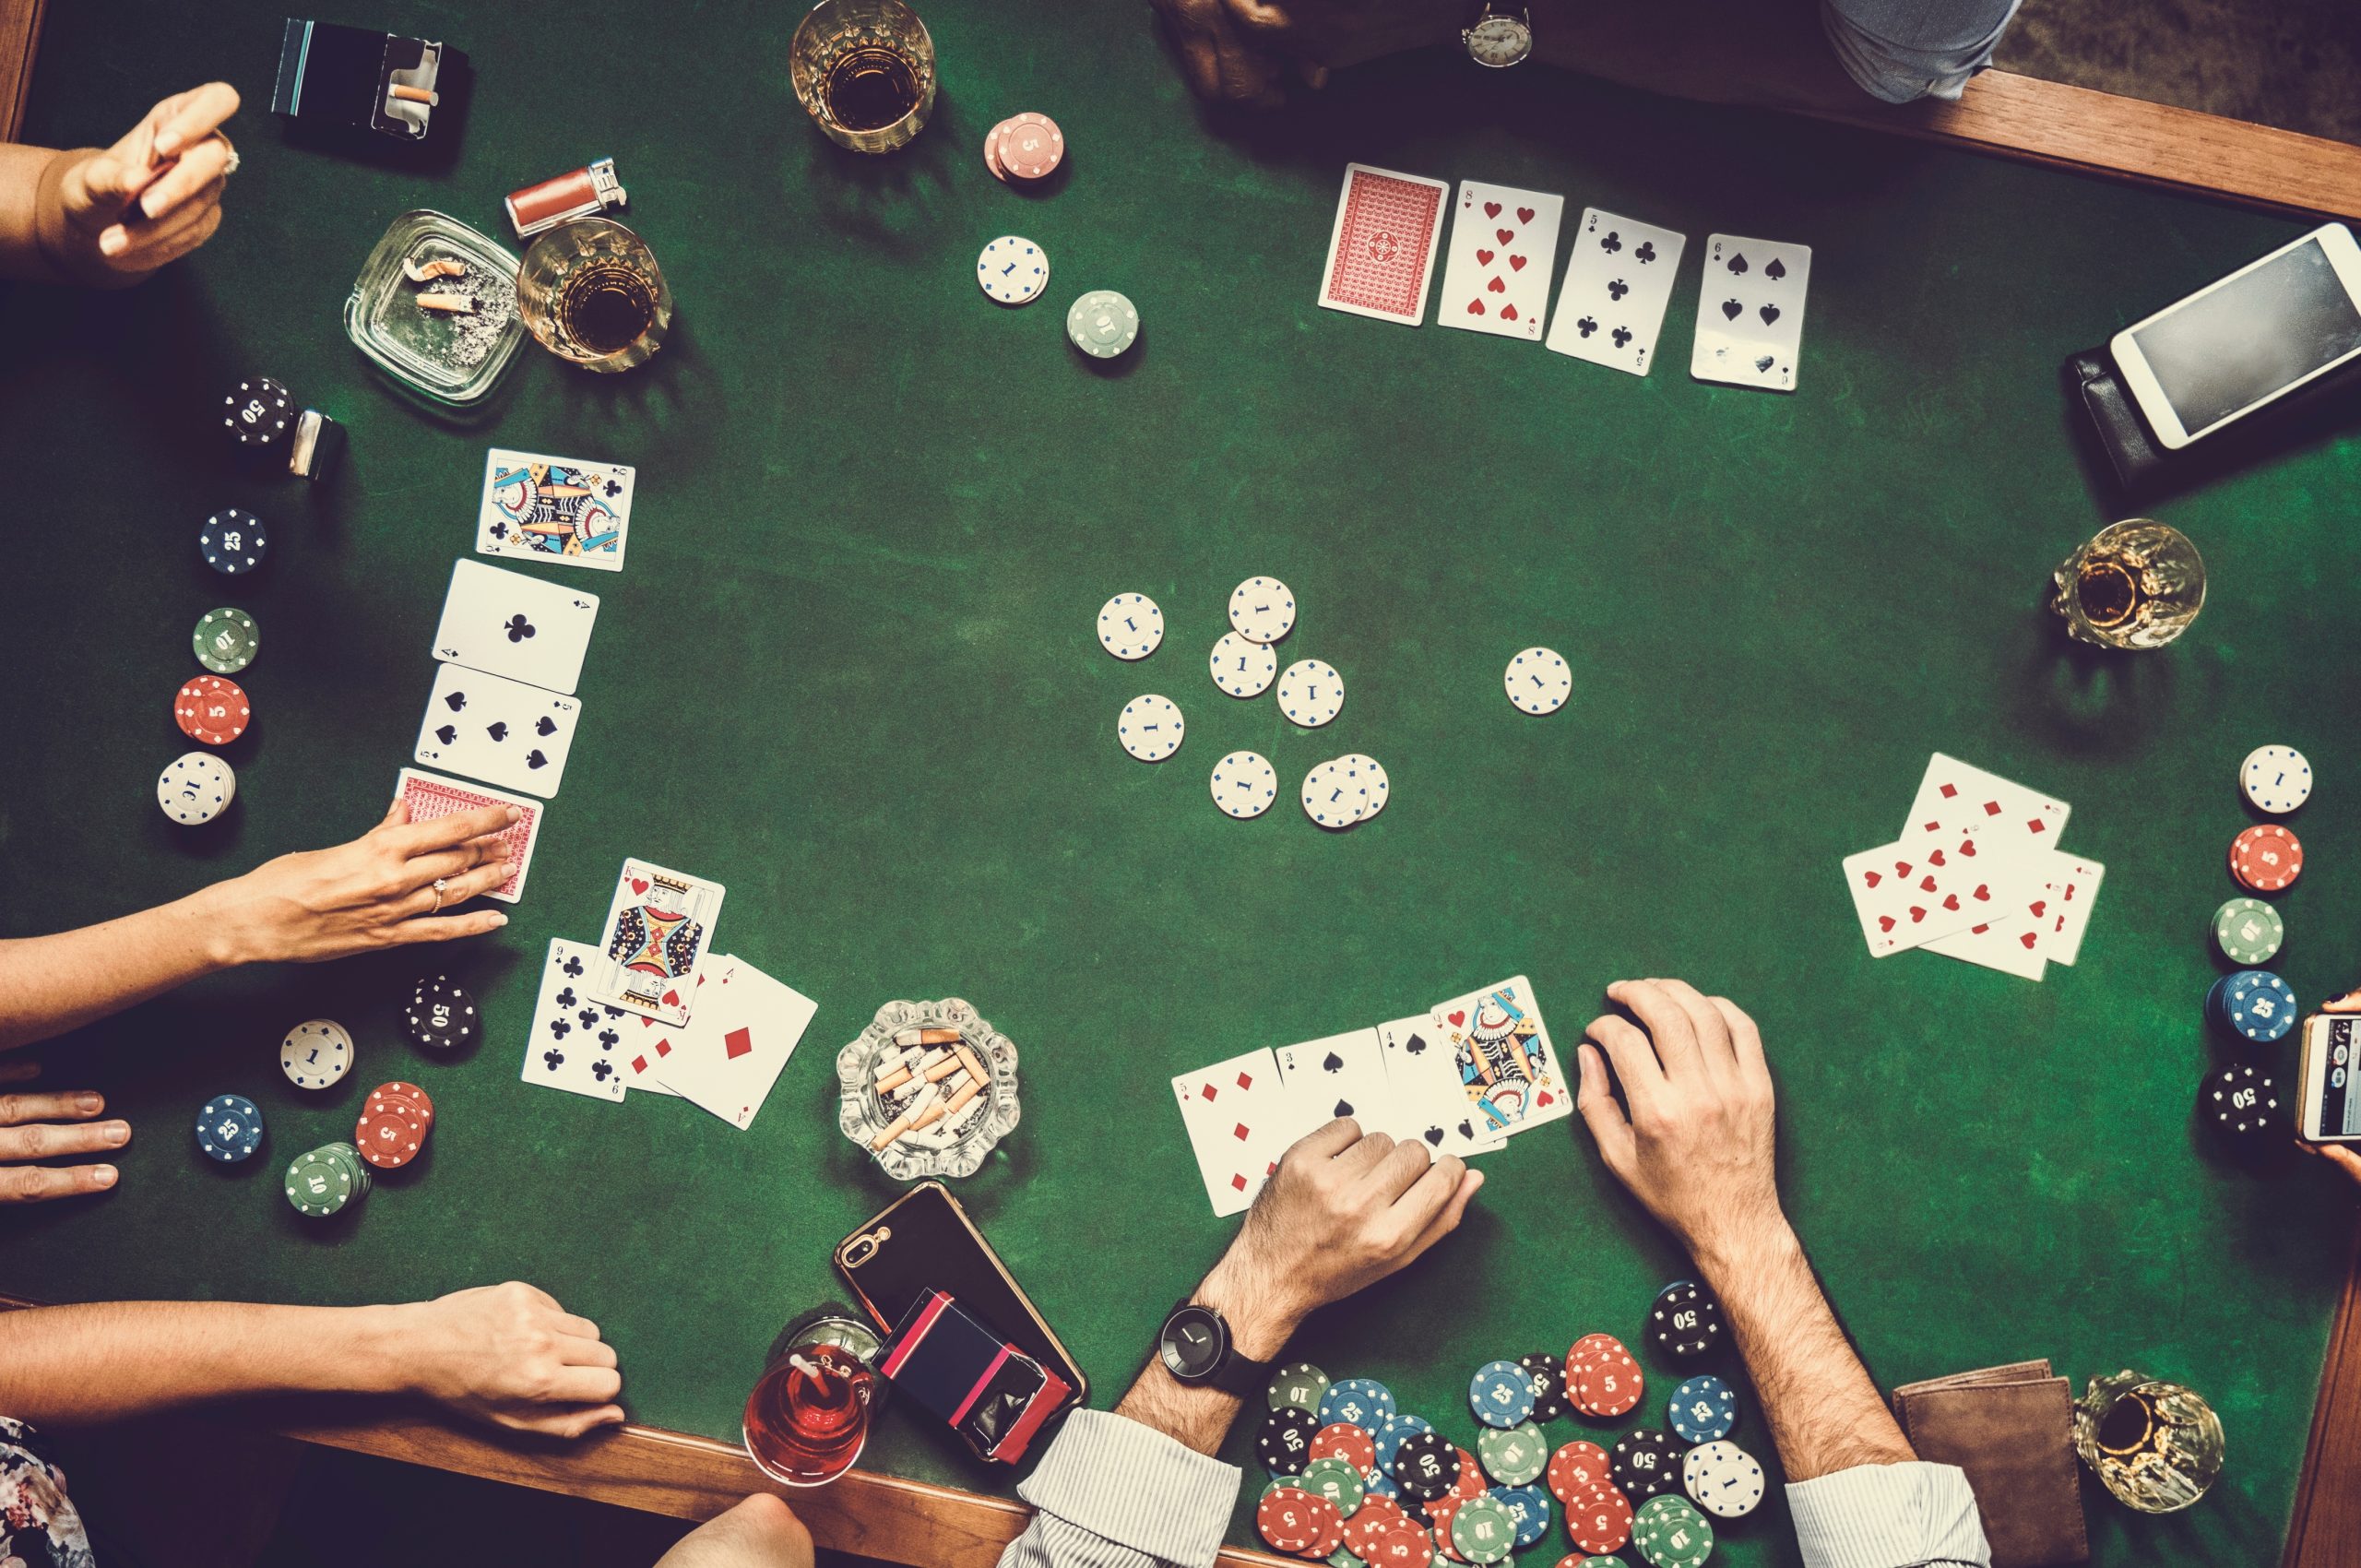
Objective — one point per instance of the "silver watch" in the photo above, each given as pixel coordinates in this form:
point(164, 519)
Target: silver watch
point(1498, 37)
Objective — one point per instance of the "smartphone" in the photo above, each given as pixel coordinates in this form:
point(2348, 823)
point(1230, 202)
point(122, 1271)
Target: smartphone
point(2257, 335)
point(2329, 1110)
point(925, 1242)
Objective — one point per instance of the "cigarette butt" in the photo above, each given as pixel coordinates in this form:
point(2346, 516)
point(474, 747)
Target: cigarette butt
point(415, 95)
point(938, 1071)
point(967, 1091)
point(456, 305)
point(935, 1113)
point(973, 1063)
point(926, 1037)
point(888, 1081)
point(884, 1140)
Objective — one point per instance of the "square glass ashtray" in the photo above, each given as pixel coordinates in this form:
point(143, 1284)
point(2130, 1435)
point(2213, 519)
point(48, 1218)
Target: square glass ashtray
point(453, 355)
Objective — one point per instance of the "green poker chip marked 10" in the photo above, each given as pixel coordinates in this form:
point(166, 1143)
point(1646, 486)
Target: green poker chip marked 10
point(1512, 1456)
point(1299, 1386)
point(1601, 1562)
point(1483, 1530)
point(1670, 1533)
point(1102, 324)
point(1336, 1481)
point(225, 640)
point(2248, 930)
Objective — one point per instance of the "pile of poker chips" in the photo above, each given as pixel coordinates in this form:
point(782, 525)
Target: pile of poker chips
point(229, 1128)
point(1102, 324)
point(2241, 1100)
point(2266, 858)
point(1024, 149)
point(326, 1181)
point(212, 709)
point(441, 1015)
point(1355, 1480)
point(393, 1126)
point(194, 788)
point(2248, 930)
point(2254, 1004)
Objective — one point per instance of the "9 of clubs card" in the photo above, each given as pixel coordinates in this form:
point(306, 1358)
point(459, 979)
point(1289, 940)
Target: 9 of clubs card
point(1503, 243)
point(561, 510)
point(658, 926)
point(1618, 283)
point(576, 1041)
point(1383, 247)
point(1751, 314)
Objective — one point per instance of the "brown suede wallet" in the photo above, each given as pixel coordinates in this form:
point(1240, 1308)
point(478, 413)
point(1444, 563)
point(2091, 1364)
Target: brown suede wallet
point(2011, 1429)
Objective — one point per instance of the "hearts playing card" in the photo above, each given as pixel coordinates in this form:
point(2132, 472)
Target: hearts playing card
point(505, 623)
point(658, 926)
point(1750, 312)
point(1241, 1116)
point(1383, 246)
point(2063, 914)
point(561, 510)
point(1503, 245)
point(1908, 893)
point(1502, 1057)
point(576, 1039)
point(745, 1027)
point(1618, 282)
point(500, 730)
point(429, 796)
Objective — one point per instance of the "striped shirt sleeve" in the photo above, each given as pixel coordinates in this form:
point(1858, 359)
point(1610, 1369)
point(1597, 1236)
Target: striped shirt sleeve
point(1112, 1493)
point(1913, 1516)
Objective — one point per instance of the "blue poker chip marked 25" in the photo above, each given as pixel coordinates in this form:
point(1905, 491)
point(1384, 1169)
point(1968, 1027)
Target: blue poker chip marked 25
point(1538, 681)
point(1363, 1401)
point(229, 1128)
point(1501, 1393)
point(1131, 627)
point(1245, 784)
point(1702, 1411)
point(1311, 692)
point(1150, 727)
point(232, 542)
point(1013, 270)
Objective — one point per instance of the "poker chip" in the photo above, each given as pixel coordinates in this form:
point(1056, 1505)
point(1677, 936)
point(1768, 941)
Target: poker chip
point(1685, 1321)
point(1670, 1533)
point(1243, 667)
point(1378, 1516)
point(1029, 146)
point(232, 542)
point(1602, 1561)
point(1329, 799)
point(389, 1134)
point(1310, 693)
point(1294, 1520)
point(1150, 727)
point(1365, 1402)
point(2248, 930)
point(1645, 1462)
point(1483, 1530)
point(1262, 609)
point(1512, 1456)
point(1013, 270)
point(1599, 1518)
point(1438, 1514)
point(225, 640)
point(1389, 1436)
point(194, 788)
point(2258, 1006)
point(2266, 858)
point(258, 414)
point(315, 1054)
point(1336, 1480)
point(1131, 627)
point(1342, 1440)
point(407, 1095)
point(1376, 787)
point(992, 152)
point(229, 1128)
point(1702, 1411)
point(1549, 1374)
point(1425, 1467)
point(1606, 1383)
point(2275, 778)
point(1102, 324)
point(1299, 1386)
point(442, 1016)
point(213, 709)
point(1529, 1509)
point(1501, 1393)
point(1577, 1468)
point(325, 1181)
point(1244, 785)
point(1400, 1545)
point(1537, 682)
point(1283, 1441)
point(1723, 1479)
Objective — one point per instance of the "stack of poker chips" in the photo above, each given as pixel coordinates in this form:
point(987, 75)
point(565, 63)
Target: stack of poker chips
point(2254, 1004)
point(212, 709)
point(229, 1128)
point(442, 1016)
point(326, 1181)
point(1023, 149)
point(933, 1082)
point(194, 788)
point(393, 1126)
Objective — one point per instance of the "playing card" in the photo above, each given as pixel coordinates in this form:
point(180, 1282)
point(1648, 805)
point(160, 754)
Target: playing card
point(1956, 797)
point(1502, 1057)
point(1427, 1093)
point(1503, 244)
point(505, 623)
point(1240, 1117)
point(1908, 893)
point(565, 511)
point(1383, 246)
point(658, 926)
point(1750, 312)
point(497, 729)
point(430, 796)
point(2070, 889)
point(2011, 943)
point(576, 1041)
point(1342, 1075)
point(745, 1027)
point(1618, 282)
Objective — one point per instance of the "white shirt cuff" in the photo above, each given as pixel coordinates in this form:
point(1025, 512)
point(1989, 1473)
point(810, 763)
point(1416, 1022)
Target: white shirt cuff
point(1888, 1516)
point(1133, 1485)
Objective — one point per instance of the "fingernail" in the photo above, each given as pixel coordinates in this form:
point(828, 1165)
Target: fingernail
point(88, 1104)
point(118, 1131)
point(515, 814)
point(1582, 1063)
point(102, 1175)
point(112, 241)
point(499, 920)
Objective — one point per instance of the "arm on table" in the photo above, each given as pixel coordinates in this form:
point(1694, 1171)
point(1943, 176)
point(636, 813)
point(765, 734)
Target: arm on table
point(1693, 1140)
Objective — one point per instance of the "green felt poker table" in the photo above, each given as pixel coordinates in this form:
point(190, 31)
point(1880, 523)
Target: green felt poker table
point(850, 671)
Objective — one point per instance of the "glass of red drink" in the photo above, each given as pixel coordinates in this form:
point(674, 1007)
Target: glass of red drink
point(808, 1417)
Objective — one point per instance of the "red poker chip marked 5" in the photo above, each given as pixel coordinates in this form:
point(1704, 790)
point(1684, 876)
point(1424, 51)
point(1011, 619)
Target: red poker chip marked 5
point(1294, 1520)
point(1600, 1520)
point(1610, 1385)
point(387, 1135)
point(1342, 1440)
point(213, 709)
point(2266, 858)
point(1378, 1516)
point(1401, 1546)
point(1029, 146)
point(1577, 1468)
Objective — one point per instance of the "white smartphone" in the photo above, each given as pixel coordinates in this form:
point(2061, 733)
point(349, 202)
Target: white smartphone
point(2330, 1109)
point(2257, 335)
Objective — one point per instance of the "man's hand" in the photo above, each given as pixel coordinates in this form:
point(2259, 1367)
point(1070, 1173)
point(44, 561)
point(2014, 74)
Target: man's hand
point(1342, 1212)
point(2340, 1156)
point(1694, 1137)
point(377, 891)
point(29, 1131)
point(510, 1356)
point(761, 1532)
point(116, 214)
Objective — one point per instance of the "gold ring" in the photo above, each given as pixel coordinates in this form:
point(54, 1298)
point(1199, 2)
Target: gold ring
point(440, 884)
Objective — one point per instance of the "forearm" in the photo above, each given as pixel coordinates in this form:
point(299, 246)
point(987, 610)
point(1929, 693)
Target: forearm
point(1825, 1413)
point(80, 1365)
point(1199, 1417)
point(34, 243)
point(50, 984)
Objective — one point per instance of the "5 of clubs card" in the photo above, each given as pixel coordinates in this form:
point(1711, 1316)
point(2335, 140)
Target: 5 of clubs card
point(561, 510)
point(1751, 314)
point(1503, 244)
point(1618, 283)
point(658, 925)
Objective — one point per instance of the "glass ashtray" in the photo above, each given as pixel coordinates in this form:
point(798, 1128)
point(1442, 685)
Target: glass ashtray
point(929, 1088)
point(454, 358)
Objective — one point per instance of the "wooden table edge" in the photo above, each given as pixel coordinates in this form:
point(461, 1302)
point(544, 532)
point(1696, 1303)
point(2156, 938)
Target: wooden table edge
point(19, 41)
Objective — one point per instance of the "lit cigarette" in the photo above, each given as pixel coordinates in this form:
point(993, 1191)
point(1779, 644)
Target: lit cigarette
point(414, 95)
point(926, 1037)
point(455, 305)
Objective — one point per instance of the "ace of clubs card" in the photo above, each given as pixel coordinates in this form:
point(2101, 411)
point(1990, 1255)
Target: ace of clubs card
point(576, 1040)
point(1618, 282)
point(1383, 246)
point(658, 926)
point(1750, 312)
point(1503, 245)
point(506, 623)
point(561, 510)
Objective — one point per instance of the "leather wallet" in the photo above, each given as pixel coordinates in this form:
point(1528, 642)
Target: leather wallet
point(2142, 465)
point(2011, 1429)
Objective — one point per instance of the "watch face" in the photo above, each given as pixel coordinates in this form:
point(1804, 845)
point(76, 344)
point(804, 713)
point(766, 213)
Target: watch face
point(1192, 1343)
point(1500, 41)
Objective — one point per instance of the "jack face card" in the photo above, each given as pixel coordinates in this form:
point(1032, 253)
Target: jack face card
point(1907, 893)
point(507, 623)
point(1383, 246)
point(1503, 244)
point(1240, 1117)
point(429, 797)
point(657, 927)
point(1751, 314)
point(745, 1027)
point(1502, 1057)
point(1618, 282)
point(562, 510)
point(577, 1043)
point(500, 730)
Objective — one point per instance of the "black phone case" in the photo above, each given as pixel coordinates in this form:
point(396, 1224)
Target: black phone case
point(934, 1247)
point(2143, 467)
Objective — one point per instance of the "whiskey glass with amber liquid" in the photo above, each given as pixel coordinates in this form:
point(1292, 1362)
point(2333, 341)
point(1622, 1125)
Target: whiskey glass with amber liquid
point(590, 292)
point(864, 71)
point(2137, 584)
point(2155, 1445)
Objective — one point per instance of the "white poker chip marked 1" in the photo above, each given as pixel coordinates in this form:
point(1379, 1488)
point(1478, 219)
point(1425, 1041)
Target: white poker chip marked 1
point(1131, 627)
point(1331, 797)
point(1243, 667)
point(1262, 610)
point(1311, 692)
point(1245, 784)
point(1013, 270)
point(1150, 727)
point(2276, 778)
point(315, 1054)
point(194, 788)
point(1371, 776)
point(1538, 681)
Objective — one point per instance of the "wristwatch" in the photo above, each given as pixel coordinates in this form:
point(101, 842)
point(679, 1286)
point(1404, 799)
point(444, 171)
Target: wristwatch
point(1195, 1348)
point(1498, 36)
